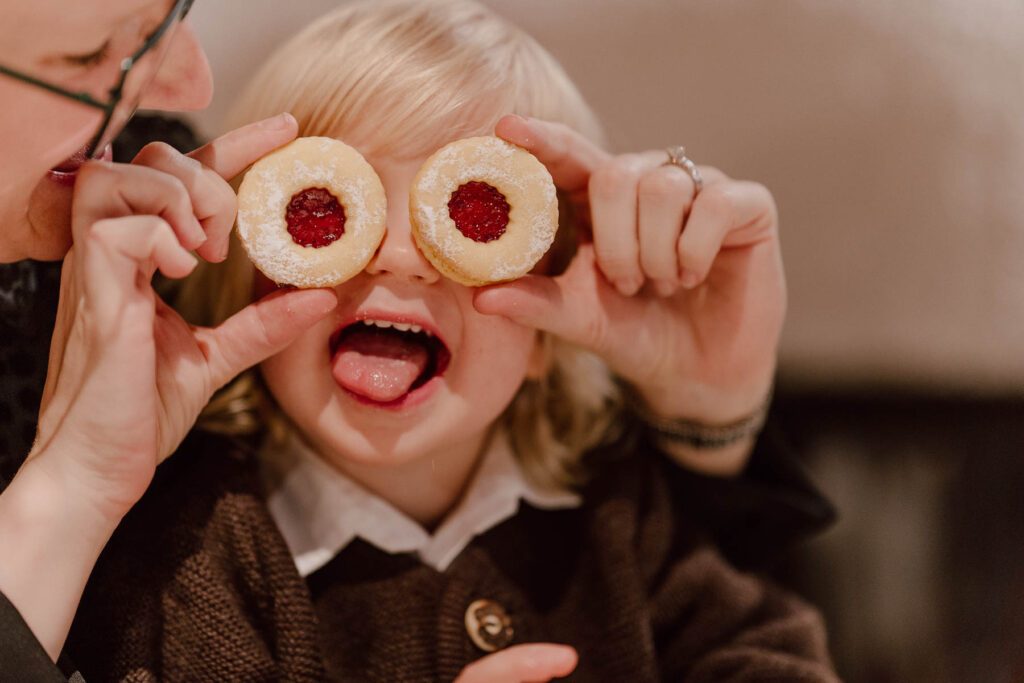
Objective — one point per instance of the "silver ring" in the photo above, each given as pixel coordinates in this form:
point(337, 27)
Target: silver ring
point(677, 157)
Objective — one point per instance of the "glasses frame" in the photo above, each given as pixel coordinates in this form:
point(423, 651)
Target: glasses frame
point(116, 94)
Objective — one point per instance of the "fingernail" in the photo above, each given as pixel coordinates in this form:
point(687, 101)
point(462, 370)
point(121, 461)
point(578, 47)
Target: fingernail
point(191, 261)
point(564, 656)
point(198, 234)
point(279, 122)
point(689, 280)
point(524, 138)
point(629, 287)
point(322, 305)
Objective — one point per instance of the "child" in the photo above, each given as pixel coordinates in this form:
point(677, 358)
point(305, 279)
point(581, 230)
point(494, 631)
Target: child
point(505, 500)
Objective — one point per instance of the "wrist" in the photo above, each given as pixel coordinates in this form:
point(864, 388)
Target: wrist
point(51, 541)
point(95, 481)
point(717, 442)
point(703, 404)
point(58, 494)
point(48, 502)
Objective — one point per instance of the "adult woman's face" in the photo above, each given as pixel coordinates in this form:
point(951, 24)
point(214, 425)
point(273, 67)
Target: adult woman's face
point(78, 46)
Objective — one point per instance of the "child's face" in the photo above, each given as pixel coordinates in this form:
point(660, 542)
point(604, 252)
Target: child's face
point(376, 396)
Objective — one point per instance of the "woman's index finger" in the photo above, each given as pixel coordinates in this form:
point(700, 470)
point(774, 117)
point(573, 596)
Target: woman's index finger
point(568, 156)
point(233, 152)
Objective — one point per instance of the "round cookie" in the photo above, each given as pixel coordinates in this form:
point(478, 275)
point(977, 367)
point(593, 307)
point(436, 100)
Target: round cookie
point(312, 213)
point(483, 210)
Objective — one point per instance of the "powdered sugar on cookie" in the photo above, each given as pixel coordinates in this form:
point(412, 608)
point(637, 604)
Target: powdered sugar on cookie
point(304, 164)
point(515, 173)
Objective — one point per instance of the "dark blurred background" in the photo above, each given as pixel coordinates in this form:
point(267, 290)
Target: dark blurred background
point(922, 578)
point(892, 136)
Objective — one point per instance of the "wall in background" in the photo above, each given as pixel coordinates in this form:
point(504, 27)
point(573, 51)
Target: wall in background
point(891, 134)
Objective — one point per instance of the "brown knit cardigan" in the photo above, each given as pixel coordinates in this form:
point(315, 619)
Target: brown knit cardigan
point(198, 585)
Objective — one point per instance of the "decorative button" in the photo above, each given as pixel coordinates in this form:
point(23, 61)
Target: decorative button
point(488, 625)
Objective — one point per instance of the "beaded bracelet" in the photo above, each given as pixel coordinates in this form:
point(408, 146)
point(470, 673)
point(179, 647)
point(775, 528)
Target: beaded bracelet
point(694, 434)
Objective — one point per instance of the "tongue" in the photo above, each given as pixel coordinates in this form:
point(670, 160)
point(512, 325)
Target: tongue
point(379, 364)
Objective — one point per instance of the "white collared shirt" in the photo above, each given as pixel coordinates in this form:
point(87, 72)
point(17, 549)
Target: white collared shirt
point(320, 511)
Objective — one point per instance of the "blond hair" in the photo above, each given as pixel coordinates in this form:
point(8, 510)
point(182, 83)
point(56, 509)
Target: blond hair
point(400, 78)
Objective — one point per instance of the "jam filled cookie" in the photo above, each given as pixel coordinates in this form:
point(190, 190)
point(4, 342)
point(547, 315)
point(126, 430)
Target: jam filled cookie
point(312, 213)
point(483, 211)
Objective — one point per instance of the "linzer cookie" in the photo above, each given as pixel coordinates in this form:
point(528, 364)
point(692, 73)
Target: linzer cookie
point(312, 213)
point(483, 210)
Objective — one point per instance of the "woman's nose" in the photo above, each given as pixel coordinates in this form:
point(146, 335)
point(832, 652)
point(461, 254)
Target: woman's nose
point(184, 81)
point(398, 254)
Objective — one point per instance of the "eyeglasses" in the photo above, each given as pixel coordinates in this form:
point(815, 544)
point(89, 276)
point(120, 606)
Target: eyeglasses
point(122, 99)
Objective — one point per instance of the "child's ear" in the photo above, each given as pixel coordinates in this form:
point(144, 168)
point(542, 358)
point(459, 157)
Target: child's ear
point(540, 357)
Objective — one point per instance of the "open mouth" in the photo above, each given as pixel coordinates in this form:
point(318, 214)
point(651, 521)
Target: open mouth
point(386, 363)
point(66, 172)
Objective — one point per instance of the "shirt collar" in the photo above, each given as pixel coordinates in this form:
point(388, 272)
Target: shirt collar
point(320, 511)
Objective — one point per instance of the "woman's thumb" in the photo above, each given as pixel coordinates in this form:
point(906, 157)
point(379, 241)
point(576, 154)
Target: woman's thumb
point(571, 306)
point(262, 329)
point(533, 301)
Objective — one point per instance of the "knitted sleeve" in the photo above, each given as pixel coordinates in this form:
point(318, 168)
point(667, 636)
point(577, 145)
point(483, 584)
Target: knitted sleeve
point(755, 517)
point(709, 620)
point(713, 623)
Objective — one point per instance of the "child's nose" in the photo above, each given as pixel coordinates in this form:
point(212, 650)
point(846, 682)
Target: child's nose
point(399, 256)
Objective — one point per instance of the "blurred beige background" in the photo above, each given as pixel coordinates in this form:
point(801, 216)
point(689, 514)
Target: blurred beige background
point(892, 134)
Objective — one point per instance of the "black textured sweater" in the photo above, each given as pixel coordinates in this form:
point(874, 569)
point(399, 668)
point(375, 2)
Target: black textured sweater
point(198, 585)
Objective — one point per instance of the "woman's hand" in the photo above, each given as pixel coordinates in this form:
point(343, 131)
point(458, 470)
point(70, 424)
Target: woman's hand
point(127, 376)
point(681, 293)
point(530, 663)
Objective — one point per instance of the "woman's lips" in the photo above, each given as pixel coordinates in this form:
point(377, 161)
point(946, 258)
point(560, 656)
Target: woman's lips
point(66, 172)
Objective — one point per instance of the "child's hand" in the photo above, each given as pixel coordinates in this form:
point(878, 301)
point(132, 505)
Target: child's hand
point(531, 663)
point(682, 296)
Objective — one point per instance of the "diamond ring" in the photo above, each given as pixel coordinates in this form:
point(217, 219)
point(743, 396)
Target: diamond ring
point(677, 157)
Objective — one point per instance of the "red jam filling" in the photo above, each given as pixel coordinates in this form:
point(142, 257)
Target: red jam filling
point(315, 218)
point(480, 212)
